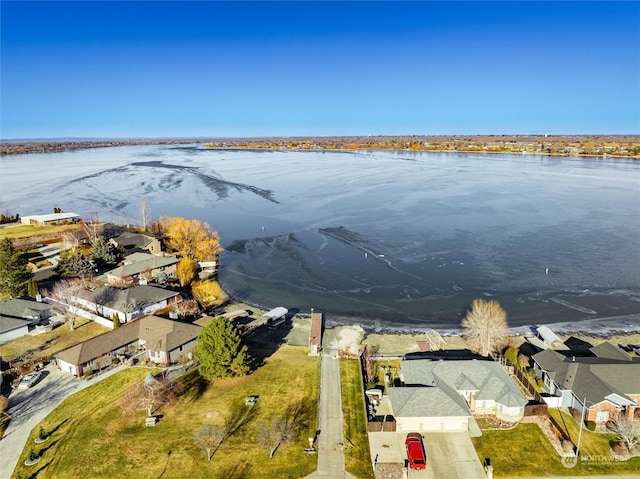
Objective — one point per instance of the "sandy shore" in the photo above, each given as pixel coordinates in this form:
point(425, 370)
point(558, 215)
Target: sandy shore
point(622, 330)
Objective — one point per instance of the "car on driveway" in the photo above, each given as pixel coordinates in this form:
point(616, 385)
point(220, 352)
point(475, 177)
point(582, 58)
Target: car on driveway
point(29, 380)
point(415, 451)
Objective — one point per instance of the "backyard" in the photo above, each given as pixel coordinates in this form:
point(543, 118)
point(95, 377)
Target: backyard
point(92, 438)
point(357, 455)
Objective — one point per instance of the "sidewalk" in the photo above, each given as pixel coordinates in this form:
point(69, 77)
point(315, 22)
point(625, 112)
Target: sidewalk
point(330, 440)
point(30, 407)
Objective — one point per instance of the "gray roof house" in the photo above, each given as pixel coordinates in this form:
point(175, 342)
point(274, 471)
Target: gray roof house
point(608, 383)
point(17, 314)
point(443, 395)
point(164, 342)
point(127, 303)
point(139, 265)
point(132, 242)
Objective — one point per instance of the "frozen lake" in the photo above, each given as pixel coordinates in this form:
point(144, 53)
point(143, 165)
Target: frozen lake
point(385, 239)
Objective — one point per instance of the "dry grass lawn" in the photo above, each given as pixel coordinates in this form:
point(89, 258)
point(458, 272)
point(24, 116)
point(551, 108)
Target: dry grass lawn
point(54, 341)
point(93, 439)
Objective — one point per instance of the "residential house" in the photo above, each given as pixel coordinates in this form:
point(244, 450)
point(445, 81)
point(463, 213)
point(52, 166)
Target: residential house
point(137, 266)
point(162, 341)
point(607, 383)
point(137, 242)
point(17, 314)
point(127, 303)
point(50, 219)
point(443, 395)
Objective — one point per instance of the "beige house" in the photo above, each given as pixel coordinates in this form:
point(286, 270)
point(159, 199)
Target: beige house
point(162, 341)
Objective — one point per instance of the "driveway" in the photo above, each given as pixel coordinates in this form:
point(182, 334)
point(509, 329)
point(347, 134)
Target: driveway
point(449, 455)
point(30, 406)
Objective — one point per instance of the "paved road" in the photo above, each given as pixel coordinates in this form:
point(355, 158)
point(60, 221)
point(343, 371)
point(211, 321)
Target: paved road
point(330, 440)
point(29, 407)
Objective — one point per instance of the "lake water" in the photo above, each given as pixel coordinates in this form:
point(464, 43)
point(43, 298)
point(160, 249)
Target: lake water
point(383, 239)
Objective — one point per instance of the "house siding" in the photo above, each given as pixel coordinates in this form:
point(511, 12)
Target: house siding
point(432, 424)
point(14, 333)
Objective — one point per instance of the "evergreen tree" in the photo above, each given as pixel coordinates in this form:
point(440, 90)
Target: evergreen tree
point(14, 272)
point(32, 288)
point(74, 264)
point(221, 352)
point(103, 253)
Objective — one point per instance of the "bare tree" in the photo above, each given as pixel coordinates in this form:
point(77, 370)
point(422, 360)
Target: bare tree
point(370, 371)
point(628, 431)
point(281, 430)
point(485, 327)
point(144, 213)
point(65, 293)
point(148, 395)
point(210, 438)
point(186, 307)
point(434, 340)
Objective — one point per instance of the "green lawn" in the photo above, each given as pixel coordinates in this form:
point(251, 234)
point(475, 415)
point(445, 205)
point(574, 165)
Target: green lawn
point(358, 458)
point(93, 439)
point(525, 451)
point(591, 443)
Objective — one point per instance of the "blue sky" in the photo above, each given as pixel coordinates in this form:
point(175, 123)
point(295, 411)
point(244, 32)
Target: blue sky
point(155, 69)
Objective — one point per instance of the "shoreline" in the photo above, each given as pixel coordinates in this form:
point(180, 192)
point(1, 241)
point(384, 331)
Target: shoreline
point(616, 147)
point(607, 327)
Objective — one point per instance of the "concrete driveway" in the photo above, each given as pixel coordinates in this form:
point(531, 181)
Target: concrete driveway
point(29, 407)
point(449, 455)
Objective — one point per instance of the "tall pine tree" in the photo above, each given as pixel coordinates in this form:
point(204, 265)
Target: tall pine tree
point(221, 352)
point(14, 272)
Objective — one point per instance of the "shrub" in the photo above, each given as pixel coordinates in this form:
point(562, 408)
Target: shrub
point(511, 354)
point(591, 425)
point(4, 404)
point(87, 373)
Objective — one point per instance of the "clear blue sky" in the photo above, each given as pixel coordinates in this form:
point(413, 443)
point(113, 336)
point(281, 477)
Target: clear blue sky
point(131, 69)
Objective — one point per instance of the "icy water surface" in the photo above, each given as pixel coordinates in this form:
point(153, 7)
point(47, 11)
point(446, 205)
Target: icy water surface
point(386, 239)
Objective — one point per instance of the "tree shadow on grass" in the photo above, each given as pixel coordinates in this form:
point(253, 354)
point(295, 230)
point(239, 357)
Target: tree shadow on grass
point(194, 385)
point(237, 471)
point(55, 429)
point(35, 474)
point(44, 450)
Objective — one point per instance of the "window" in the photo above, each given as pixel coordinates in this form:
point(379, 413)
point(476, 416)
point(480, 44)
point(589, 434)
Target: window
point(602, 416)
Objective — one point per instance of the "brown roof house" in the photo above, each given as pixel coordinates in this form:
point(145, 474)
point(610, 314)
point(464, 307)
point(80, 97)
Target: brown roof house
point(143, 266)
point(163, 341)
point(607, 383)
point(127, 303)
point(17, 314)
point(443, 395)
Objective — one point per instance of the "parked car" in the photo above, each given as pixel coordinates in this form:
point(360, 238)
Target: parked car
point(415, 451)
point(29, 380)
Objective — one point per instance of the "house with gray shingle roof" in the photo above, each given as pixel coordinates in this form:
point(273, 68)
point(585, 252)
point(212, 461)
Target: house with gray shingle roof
point(127, 303)
point(138, 266)
point(133, 242)
point(443, 395)
point(608, 383)
point(163, 341)
point(17, 314)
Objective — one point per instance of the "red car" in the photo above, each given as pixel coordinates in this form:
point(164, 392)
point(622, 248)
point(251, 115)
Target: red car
point(415, 451)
